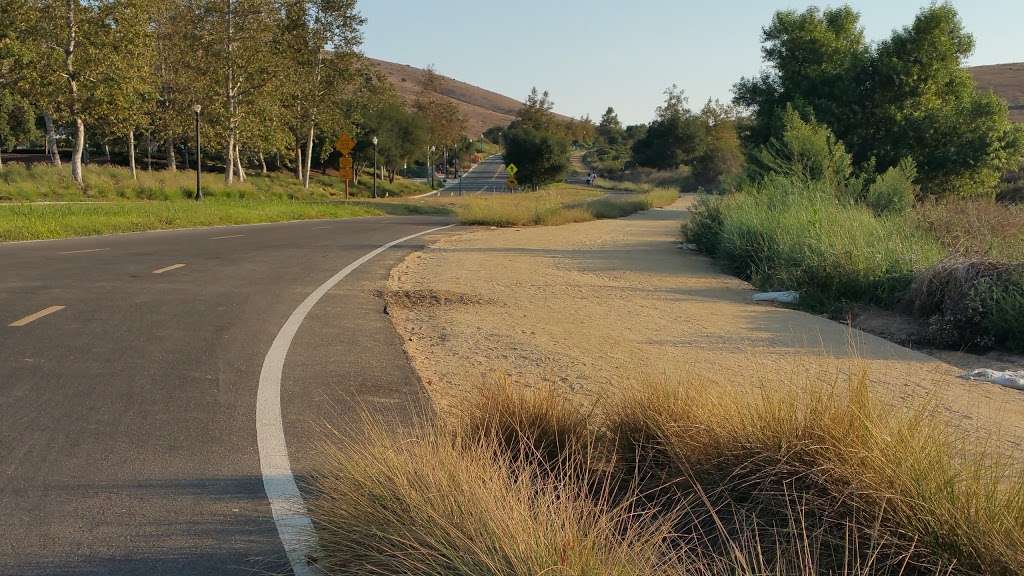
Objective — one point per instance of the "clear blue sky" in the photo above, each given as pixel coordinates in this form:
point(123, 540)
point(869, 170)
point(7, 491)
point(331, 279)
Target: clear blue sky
point(591, 54)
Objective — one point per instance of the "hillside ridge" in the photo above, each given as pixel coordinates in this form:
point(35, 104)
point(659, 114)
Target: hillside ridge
point(482, 108)
point(1006, 80)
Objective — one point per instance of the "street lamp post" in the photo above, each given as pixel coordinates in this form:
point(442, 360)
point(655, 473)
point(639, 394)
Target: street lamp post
point(199, 156)
point(430, 167)
point(374, 166)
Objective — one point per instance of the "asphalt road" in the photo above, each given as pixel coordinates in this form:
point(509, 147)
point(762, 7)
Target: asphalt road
point(488, 176)
point(128, 435)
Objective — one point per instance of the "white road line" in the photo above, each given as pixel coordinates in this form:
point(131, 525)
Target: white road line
point(84, 251)
point(168, 268)
point(228, 236)
point(293, 524)
point(33, 317)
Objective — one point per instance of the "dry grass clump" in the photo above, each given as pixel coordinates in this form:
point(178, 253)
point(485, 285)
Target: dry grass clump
point(444, 505)
point(976, 229)
point(836, 474)
point(555, 206)
point(687, 479)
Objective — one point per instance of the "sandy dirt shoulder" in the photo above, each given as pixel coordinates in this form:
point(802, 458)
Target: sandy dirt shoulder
point(591, 306)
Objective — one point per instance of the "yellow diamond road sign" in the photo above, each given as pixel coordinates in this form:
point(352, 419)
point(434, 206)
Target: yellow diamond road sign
point(344, 144)
point(512, 170)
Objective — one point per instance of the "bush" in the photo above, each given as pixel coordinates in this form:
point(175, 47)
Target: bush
point(788, 234)
point(972, 304)
point(975, 229)
point(893, 192)
point(542, 157)
point(805, 152)
point(721, 160)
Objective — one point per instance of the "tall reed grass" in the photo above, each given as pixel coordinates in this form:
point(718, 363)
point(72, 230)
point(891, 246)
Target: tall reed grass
point(789, 235)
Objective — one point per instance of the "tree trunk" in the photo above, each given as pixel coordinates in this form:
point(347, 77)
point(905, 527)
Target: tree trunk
point(185, 153)
point(309, 157)
point(106, 151)
point(238, 161)
point(263, 164)
point(51, 140)
point(172, 162)
point(70, 73)
point(229, 161)
point(149, 152)
point(298, 162)
point(76, 157)
point(131, 152)
point(1, 157)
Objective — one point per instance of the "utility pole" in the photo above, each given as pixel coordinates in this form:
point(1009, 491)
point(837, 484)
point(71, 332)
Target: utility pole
point(199, 156)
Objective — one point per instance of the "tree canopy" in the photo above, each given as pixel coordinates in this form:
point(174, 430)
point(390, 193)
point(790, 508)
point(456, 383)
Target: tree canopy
point(906, 97)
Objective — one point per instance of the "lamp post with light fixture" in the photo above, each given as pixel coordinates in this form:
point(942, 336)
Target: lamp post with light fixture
point(374, 166)
point(199, 155)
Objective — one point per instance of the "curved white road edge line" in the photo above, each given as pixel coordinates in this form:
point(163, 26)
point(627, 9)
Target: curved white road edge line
point(293, 523)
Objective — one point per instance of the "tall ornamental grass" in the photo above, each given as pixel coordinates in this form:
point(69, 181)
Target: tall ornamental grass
point(786, 234)
point(687, 479)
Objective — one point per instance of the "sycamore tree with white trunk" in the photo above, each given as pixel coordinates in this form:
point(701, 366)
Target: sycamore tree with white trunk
point(277, 80)
point(323, 38)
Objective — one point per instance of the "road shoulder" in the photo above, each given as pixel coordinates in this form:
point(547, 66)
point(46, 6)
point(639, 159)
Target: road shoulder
point(591, 306)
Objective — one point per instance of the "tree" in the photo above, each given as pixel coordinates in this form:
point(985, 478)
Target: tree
point(721, 156)
point(609, 129)
point(125, 89)
point(17, 117)
point(324, 36)
point(17, 121)
point(64, 32)
point(673, 138)
point(806, 151)
point(537, 113)
point(541, 156)
point(444, 123)
point(907, 97)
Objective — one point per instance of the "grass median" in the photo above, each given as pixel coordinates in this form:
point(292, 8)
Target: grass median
point(559, 204)
point(43, 203)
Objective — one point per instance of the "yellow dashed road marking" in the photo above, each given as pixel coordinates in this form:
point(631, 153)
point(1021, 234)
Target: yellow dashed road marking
point(168, 268)
point(33, 317)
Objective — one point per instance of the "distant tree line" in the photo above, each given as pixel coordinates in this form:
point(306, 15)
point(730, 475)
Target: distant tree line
point(906, 101)
point(277, 81)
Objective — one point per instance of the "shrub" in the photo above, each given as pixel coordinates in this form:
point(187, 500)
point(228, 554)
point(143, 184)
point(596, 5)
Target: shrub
point(804, 152)
point(704, 227)
point(975, 304)
point(893, 192)
point(542, 157)
point(788, 234)
point(721, 160)
point(975, 229)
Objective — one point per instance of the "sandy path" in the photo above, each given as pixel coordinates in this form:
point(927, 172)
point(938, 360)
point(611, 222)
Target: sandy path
point(600, 303)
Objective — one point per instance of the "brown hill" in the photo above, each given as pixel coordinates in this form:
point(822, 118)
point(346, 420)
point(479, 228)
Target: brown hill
point(481, 108)
point(1006, 80)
